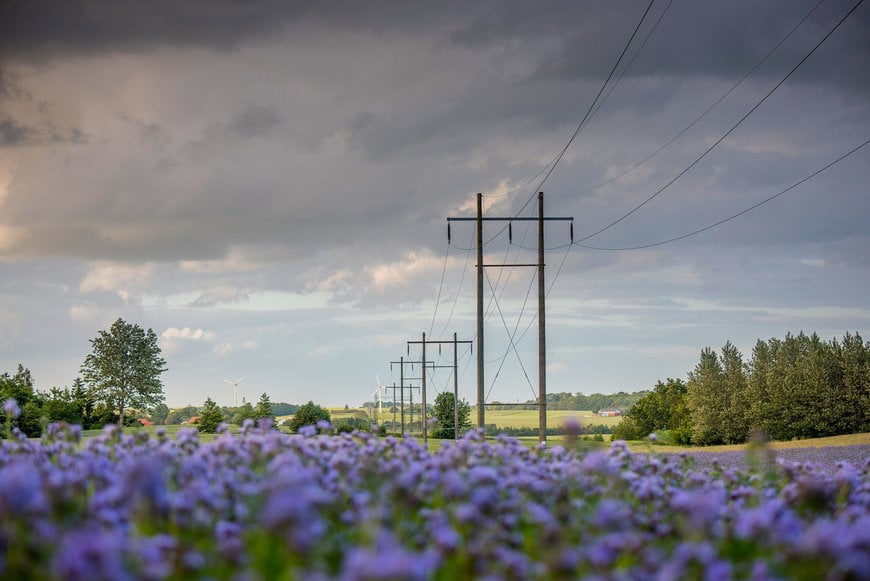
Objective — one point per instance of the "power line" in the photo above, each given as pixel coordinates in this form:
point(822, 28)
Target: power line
point(727, 133)
point(510, 337)
point(733, 216)
point(709, 109)
point(591, 107)
point(551, 165)
point(440, 288)
point(634, 57)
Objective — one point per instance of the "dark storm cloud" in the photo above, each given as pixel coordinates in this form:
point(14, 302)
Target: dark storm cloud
point(40, 29)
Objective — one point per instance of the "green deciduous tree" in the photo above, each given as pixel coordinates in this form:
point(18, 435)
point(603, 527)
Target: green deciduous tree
point(20, 388)
point(159, 414)
point(210, 417)
point(664, 408)
point(123, 370)
point(444, 415)
point(308, 415)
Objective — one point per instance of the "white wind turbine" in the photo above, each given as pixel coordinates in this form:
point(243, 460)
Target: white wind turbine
point(235, 385)
point(378, 395)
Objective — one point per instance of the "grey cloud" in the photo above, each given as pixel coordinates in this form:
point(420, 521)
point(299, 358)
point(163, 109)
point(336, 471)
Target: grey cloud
point(13, 133)
point(10, 87)
point(254, 121)
point(150, 132)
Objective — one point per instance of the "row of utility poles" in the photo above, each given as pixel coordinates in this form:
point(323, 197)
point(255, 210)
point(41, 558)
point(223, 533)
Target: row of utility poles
point(424, 366)
point(542, 341)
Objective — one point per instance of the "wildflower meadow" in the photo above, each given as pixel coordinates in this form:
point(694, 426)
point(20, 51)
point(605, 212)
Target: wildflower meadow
point(260, 504)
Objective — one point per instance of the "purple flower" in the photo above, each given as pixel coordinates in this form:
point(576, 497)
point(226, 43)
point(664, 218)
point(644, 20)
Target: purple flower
point(91, 555)
point(10, 407)
point(572, 426)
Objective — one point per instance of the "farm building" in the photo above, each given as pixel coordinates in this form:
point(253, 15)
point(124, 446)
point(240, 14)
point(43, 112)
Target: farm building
point(609, 413)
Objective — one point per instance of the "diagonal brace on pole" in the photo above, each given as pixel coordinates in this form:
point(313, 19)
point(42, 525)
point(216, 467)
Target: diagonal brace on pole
point(542, 344)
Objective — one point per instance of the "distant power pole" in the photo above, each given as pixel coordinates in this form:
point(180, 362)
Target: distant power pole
point(402, 387)
point(542, 343)
point(455, 368)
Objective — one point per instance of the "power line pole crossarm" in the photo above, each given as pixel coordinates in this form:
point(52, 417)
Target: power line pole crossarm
point(542, 344)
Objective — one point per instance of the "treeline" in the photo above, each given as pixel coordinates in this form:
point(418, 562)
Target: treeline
point(75, 405)
point(579, 402)
point(231, 414)
point(792, 388)
point(79, 405)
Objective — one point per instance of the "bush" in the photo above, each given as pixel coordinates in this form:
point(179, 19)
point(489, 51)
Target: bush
point(308, 415)
point(627, 429)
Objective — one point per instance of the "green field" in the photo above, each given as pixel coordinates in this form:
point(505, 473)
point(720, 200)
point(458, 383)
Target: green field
point(529, 418)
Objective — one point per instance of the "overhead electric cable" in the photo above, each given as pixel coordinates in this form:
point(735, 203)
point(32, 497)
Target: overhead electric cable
point(709, 109)
point(733, 216)
point(634, 57)
point(512, 344)
point(440, 288)
point(726, 134)
point(588, 111)
point(458, 291)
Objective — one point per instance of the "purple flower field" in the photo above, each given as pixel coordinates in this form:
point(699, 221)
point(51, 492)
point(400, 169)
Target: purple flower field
point(265, 505)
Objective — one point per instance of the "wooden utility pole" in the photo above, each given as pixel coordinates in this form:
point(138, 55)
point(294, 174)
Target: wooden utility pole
point(455, 390)
point(542, 328)
point(481, 392)
point(542, 344)
point(455, 367)
point(402, 387)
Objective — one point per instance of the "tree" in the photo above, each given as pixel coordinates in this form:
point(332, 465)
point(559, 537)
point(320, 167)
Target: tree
point(735, 428)
point(210, 418)
point(28, 401)
point(444, 405)
point(60, 406)
point(664, 408)
point(263, 409)
point(707, 403)
point(124, 368)
point(308, 415)
point(159, 414)
point(242, 413)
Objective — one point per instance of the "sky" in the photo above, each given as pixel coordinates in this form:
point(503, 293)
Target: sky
point(267, 184)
